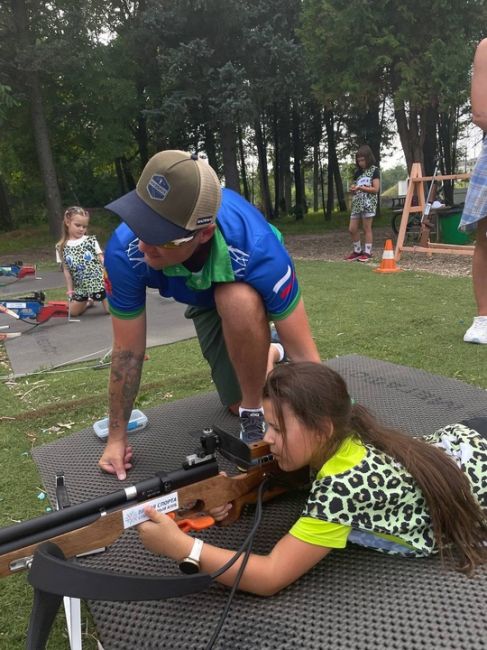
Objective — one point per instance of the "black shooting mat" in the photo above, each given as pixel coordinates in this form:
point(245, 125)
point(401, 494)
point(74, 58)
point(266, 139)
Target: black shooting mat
point(356, 599)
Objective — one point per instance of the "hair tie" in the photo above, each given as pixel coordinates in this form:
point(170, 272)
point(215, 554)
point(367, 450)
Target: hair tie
point(353, 401)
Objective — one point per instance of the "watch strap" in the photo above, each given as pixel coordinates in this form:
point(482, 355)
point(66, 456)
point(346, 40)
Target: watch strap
point(195, 553)
point(191, 563)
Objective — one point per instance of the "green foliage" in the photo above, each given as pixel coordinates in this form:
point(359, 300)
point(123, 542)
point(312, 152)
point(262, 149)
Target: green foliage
point(122, 80)
point(389, 177)
point(418, 54)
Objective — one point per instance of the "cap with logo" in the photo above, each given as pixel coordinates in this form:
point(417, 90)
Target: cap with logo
point(177, 193)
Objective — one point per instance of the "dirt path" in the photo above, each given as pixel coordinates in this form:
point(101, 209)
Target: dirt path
point(335, 245)
point(329, 246)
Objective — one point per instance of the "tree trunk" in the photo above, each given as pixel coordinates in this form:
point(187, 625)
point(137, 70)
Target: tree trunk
point(45, 157)
point(342, 204)
point(120, 175)
point(447, 138)
point(330, 191)
point(409, 133)
point(298, 185)
point(40, 128)
point(127, 174)
point(316, 177)
point(373, 129)
point(243, 166)
point(430, 151)
point(141, 135)
point(277, 170)
point(210, 148)
point(285, 181)
point(322, 184)
point(317, 137)
point(263, 172)
point(330, 199)
point(333, 165)
point(229, 154)
point(6, 222)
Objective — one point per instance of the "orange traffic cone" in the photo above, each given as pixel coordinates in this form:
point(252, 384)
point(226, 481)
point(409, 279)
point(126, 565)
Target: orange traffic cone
point(388, 263)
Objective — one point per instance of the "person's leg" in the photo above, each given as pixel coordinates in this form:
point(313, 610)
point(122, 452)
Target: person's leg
point(367, 226)
point(477, 333)
point(353, 229)
point(78, 305)
point(247, 337)
point(101, 296)
point(479, 268)
point(208, 328)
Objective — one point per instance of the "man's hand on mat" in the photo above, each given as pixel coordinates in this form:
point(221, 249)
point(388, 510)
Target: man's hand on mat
point(116, 458)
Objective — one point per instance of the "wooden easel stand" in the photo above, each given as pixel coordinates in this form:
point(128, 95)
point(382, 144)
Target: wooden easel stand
point(416, 188)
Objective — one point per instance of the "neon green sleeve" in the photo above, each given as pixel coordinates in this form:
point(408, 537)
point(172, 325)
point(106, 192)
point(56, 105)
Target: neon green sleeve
point(320, 533)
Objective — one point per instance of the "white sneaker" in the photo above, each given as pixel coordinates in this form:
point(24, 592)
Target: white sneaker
point(477, 332)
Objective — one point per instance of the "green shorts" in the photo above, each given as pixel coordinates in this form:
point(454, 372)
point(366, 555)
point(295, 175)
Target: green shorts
point(208, 328)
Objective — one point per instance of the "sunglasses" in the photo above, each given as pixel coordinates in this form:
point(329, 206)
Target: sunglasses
point(175, 243)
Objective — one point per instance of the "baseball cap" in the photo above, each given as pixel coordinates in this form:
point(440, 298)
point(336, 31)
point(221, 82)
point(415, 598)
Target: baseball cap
point(177, 193)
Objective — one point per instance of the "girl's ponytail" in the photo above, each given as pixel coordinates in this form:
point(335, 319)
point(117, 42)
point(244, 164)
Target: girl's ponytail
point(457, 519)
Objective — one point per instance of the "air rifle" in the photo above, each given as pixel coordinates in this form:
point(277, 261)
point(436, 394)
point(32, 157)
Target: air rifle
point(34, 307)
point(18, 270)
point(198, 486)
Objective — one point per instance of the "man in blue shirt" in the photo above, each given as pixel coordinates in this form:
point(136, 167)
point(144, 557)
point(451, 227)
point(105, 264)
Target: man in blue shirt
point(211, 249)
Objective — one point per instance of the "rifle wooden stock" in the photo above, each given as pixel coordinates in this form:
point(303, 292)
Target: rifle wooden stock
point(197, 497)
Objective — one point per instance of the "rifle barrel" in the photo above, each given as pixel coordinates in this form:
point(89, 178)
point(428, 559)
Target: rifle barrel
point(163, 483)
point(43, 535)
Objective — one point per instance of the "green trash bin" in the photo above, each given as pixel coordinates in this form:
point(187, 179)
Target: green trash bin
point(449, 219)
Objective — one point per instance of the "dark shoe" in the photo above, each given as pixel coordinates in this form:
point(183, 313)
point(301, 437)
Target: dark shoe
point(352, 257)
point(364, 257)
point(252, 426)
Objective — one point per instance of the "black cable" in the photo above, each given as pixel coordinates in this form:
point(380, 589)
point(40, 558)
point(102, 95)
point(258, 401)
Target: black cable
point(250, 535)
point(32, 324)
point(246, 548)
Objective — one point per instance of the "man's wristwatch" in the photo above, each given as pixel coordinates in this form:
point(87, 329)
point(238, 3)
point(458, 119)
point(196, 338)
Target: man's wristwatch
point(191, 564)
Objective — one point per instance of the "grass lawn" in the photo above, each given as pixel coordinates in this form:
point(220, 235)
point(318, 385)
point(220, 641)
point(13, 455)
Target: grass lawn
point(410, 318)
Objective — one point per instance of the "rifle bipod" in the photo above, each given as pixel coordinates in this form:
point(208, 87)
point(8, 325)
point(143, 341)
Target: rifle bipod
point(53, 576)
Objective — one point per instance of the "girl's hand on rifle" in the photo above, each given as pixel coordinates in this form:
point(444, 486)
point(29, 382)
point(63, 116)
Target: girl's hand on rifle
point(162, 535)
point(117, 458)
point(220, 512)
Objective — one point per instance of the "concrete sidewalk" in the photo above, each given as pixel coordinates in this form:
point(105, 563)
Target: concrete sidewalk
point(48, 280)
point(59, 341)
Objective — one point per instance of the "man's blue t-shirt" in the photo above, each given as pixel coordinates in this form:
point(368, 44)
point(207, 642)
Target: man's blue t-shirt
point(245, 248)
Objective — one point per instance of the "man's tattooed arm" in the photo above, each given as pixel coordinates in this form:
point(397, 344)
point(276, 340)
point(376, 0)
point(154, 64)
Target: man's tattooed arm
point(126, 370)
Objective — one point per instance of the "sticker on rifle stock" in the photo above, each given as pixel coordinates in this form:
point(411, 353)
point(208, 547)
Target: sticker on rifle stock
point(136, 515)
